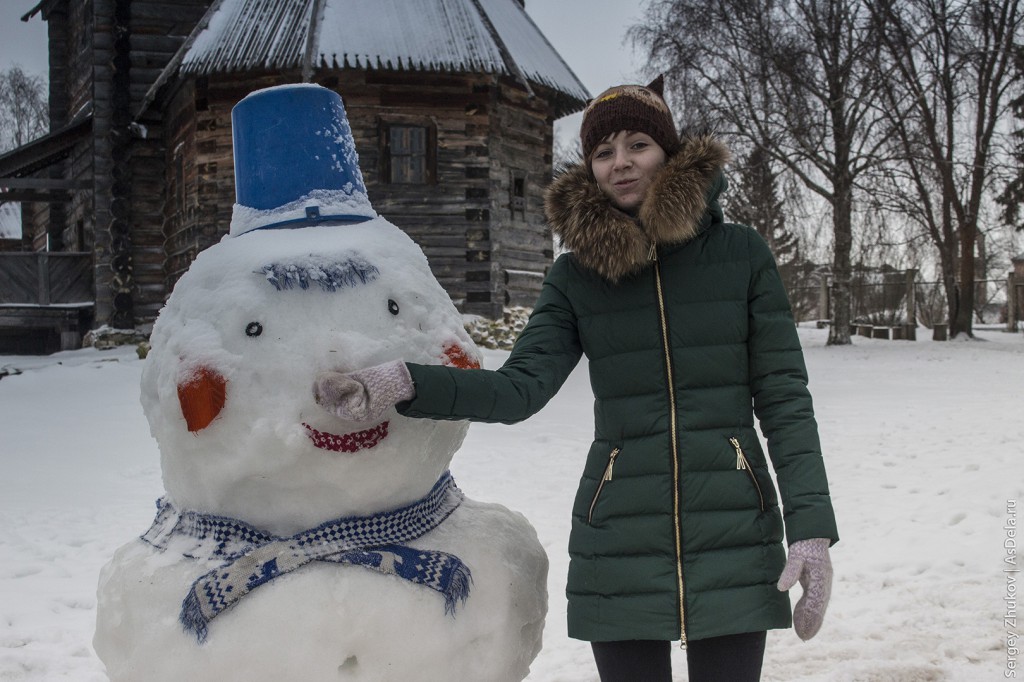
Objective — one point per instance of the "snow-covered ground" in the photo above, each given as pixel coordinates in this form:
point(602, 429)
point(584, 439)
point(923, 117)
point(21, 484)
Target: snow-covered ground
point(923, 443)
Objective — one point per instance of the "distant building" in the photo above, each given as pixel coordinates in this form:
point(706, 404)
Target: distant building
point(452, 104)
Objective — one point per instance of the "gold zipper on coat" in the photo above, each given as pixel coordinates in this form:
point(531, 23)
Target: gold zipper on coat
point(742, 463)
point(600, 486)
point(675, 448)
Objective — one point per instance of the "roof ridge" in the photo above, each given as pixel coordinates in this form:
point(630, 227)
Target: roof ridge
point(506, 56)
point(312, 39)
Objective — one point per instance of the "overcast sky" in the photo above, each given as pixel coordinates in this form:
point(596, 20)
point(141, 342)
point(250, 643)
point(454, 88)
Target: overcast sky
point(587, 33)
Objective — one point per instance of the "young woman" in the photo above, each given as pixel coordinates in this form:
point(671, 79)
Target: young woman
point(676, 527)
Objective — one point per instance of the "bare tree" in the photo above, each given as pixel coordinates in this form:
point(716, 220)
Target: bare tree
point(566, 151)
point(791, 76)
point(760, 206)
point(24, 114)
point(951, 73)
point(1012, 197)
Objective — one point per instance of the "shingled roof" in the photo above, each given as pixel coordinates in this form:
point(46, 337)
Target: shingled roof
point(474, 36)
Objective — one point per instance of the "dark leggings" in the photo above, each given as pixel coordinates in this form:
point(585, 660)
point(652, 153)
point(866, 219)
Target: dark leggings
point(732, 658)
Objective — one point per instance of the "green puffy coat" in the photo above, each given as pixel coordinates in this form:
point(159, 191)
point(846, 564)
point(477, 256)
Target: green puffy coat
point(676, 528)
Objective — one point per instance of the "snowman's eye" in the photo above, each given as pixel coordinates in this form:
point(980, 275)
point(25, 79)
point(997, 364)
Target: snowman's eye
point(253, 329)
point(392, 306)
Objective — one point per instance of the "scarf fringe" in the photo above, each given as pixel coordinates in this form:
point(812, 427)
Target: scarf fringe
point(192, 618)
point(458, 589)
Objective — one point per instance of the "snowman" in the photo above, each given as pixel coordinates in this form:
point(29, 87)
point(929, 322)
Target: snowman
point(292, 544)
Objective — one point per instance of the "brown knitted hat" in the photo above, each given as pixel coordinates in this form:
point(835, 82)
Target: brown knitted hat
point(629, 107)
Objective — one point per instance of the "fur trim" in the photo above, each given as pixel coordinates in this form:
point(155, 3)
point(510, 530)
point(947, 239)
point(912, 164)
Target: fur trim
point(614, 244)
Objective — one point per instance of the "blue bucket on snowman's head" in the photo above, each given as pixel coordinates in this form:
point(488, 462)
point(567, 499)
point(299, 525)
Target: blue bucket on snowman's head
point(295, 161)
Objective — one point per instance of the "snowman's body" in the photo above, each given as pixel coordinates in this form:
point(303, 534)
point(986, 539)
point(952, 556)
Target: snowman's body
point(227, 389)
point(331, 622)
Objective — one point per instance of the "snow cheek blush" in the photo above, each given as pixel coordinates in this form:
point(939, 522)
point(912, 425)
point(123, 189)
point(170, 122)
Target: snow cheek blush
point(456, 356)
point(201, 396)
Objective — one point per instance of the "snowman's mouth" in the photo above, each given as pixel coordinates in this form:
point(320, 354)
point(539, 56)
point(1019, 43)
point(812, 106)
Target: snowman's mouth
point(350, 442)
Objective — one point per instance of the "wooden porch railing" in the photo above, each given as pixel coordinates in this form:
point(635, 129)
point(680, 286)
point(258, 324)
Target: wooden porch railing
point(42, 278)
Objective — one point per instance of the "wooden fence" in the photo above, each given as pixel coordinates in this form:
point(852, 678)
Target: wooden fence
point(46, 300)
point(45, 278)
point(900, 300)
point(1014, 302)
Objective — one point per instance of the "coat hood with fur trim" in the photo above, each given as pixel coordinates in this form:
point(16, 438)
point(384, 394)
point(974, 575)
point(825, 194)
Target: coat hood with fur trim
point(682, 200)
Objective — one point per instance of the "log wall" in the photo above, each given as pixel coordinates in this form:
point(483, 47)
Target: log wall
point(521, 142)
point(158, 31)
point(91, 69)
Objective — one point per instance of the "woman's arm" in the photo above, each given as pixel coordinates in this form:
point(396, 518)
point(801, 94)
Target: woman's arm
point(545, 353)
point(542, 358)
point(782, 403)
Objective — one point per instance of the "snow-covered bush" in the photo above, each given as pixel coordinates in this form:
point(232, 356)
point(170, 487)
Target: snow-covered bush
point(498, 334)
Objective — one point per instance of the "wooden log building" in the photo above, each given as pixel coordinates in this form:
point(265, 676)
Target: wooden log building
point(451, 102)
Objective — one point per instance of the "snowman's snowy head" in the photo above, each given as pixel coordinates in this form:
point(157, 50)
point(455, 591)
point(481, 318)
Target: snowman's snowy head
point(227, 387)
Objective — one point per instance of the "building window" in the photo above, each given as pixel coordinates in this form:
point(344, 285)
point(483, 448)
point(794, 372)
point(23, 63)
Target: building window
point(409, 154)
point(517, 193)
point(408, 146)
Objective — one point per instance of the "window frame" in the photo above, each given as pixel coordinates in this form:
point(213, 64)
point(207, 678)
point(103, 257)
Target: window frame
point(517, 200)
point(427, 124)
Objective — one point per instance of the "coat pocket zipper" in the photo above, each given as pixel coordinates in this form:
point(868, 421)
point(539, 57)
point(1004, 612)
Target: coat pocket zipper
point(742, 463)
point(600, 486)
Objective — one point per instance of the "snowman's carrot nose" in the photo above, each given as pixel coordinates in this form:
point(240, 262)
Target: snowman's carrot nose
point(455, 356)
point(202, 397)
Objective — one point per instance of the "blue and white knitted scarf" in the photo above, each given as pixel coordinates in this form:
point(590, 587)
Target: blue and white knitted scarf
point(254, 557)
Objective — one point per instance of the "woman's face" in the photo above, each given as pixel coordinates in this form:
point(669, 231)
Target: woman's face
point(624, 165)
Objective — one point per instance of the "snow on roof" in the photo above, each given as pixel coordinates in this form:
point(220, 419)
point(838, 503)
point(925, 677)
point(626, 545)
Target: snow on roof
point(246, 34)
point(10, 220)
point(531, 51)
point(489, 36)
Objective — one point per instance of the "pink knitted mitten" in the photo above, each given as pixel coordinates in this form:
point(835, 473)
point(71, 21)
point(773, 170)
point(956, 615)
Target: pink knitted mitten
point(366, 394)
point(809, 563)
